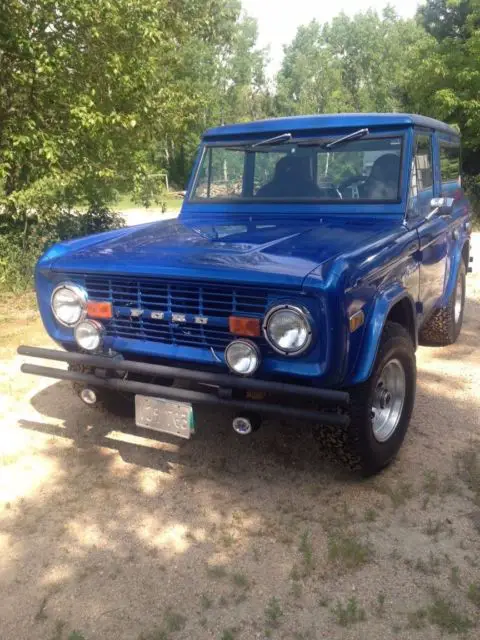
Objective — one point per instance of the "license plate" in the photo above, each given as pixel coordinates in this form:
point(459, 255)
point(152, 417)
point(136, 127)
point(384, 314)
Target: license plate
point(166, 416)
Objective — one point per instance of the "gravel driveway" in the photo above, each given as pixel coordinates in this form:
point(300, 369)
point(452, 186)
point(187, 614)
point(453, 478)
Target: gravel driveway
point(116, 534)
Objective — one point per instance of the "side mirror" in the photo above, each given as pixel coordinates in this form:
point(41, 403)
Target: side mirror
point(182, 194)
point(440, 207)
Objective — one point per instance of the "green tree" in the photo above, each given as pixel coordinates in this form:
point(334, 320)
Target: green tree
point(444, 81)
point(310, 79)
point(350, 64)
point(86, 88)
point(85, 85)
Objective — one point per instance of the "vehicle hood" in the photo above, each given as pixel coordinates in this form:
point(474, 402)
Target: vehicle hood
point(279, 252)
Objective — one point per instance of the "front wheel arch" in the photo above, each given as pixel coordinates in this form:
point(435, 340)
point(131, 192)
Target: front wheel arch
point(394, 305)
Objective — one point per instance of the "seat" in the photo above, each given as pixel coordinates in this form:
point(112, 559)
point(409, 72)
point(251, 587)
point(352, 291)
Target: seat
point(291, 180)
point(382, 183)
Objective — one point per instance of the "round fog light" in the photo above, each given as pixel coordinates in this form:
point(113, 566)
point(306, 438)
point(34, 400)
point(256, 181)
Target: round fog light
point(242, 357)
point(242, 426)
point(88, 396)
point(89, 335)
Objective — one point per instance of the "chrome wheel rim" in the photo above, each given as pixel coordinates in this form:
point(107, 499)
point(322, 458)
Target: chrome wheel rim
point(458, 300)
point(388, 400)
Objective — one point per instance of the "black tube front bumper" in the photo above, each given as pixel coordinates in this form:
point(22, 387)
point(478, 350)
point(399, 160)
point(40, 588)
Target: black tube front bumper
point(109, 367)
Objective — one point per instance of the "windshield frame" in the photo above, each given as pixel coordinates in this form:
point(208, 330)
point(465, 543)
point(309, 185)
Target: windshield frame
point(310, 140)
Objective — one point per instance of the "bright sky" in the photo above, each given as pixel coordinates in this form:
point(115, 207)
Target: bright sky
point(278, 19)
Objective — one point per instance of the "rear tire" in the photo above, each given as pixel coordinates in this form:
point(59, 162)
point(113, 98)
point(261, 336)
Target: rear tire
point(444, 327)
point(380, 408)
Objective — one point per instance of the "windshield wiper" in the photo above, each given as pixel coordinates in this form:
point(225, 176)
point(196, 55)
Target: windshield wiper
point(361, 133)
point(284, 137)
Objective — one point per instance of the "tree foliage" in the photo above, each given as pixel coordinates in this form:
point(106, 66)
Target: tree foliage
point(350, 64)
point(85, 85)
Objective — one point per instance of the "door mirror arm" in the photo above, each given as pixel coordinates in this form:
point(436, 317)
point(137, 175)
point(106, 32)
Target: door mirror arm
point(440, 207)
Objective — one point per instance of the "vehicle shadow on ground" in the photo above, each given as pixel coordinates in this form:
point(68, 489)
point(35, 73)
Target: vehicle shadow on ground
point(214, 446)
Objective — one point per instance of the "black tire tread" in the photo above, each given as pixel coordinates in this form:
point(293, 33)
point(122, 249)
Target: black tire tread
point(440, 330)
point(347, 445)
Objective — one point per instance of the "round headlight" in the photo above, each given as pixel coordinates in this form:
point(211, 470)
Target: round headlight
point(242, 357)
point(69, 304)
point(288, 330)
point(89, 335)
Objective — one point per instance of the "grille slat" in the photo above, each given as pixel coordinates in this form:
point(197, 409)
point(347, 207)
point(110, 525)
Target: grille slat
point(216, 302)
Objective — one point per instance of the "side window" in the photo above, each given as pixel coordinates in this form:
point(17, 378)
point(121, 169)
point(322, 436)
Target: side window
point(221, 174)
point(421, 179)
point(449, 167)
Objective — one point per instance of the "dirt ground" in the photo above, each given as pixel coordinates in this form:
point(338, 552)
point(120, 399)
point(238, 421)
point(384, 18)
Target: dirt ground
point(108, 532)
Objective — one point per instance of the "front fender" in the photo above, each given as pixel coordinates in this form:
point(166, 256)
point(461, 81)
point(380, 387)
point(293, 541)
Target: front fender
point(376, 319)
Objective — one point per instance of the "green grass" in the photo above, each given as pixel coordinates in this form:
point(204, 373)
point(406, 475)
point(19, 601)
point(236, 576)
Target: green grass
point(370, 515)
point(205, 602)
point(399, 494)
point(125, 202)
point(443, 614)
point(430, 567)
point(58, 631)
point(273, 613)
point(306, 549)
point(468, 469)
point(174, 621)
point(156, 634)
point(417, 619)
point(474, 594)
point(216, 571)
point(455, 579)
point(380, 605)
point(240, 580)
point(433, 528)
point(346, 551)
point(348, 614)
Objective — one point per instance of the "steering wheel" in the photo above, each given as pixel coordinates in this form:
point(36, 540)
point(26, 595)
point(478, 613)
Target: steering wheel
point(331, 190)
point(355, 181)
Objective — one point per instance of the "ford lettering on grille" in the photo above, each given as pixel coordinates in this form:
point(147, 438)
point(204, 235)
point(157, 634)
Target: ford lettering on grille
point(175, 311)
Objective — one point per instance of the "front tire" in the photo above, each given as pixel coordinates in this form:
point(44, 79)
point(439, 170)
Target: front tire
point(444, 327)
point(380, 407)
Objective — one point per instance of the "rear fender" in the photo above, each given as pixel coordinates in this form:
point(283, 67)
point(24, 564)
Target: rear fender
point(459, 253)
point(376, 319)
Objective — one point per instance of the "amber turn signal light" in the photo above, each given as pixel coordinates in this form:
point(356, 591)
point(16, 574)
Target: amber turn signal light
point(99, 310)
point(356, 321)
point(249, 327)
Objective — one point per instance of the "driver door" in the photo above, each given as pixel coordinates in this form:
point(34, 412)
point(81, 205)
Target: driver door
point(433, 231)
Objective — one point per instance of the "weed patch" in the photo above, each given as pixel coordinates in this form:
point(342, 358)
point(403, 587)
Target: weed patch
point(273, 613)
point(347, 551)
point(348, 614)
point(442, 613)
point(473, 594)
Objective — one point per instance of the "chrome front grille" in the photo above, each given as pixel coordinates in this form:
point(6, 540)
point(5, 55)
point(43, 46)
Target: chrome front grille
point(213, 303)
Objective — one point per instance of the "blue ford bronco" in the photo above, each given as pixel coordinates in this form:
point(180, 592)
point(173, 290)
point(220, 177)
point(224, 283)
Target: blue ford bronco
point(311, 256)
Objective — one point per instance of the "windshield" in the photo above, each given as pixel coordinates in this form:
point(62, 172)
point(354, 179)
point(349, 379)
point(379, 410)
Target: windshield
point(365, 170)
